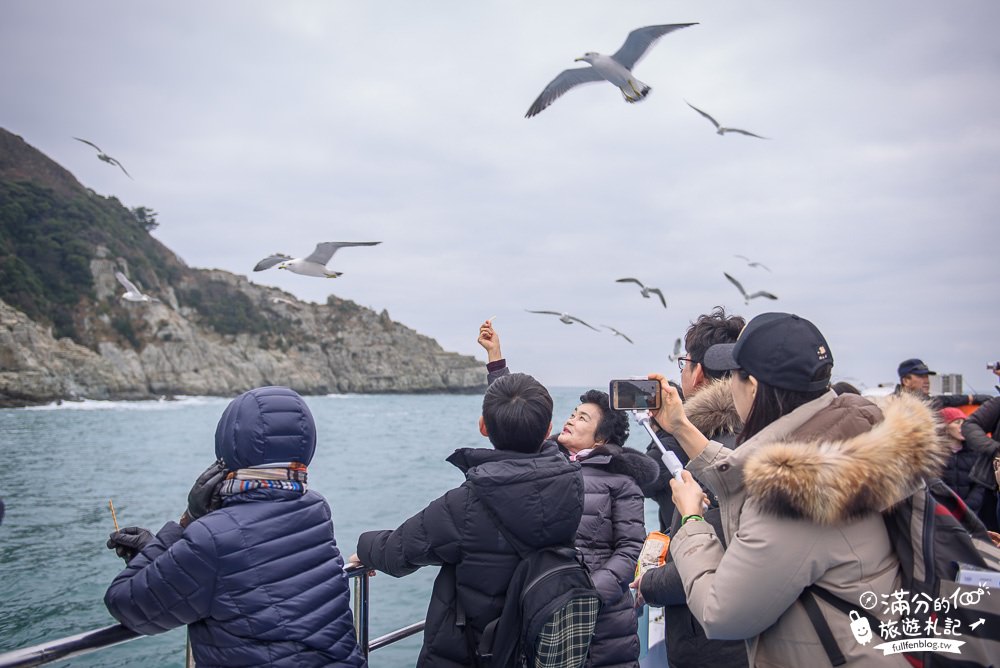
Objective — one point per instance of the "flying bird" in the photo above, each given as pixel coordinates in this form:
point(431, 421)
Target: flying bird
point(746, 297)
point(616, 69)
point(315, 264)
point(101, 155)
point(752, 264)
point(565, 317)
point(645, 291)
point(677, 351)
point(132, 293)
point(617, 333)
point(719, 130)
point(282, 300)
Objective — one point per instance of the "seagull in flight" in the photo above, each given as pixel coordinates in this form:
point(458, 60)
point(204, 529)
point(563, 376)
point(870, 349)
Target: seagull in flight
point(719, 130)
point(132, 293)
point(752, 264)
point(617, 333)
point(746, 297)
point(315, 264)
point(677, 351)
point(101, 155)
point(616, 69)
point(565, 317)
point(645, 291)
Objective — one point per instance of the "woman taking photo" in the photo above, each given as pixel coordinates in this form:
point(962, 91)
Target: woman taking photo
point(612, 529)
point(800, 497)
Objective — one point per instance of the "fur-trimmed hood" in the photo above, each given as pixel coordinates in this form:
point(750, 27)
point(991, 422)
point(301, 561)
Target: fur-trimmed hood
point(817, 474)
point(712, 411)
point(619, 459)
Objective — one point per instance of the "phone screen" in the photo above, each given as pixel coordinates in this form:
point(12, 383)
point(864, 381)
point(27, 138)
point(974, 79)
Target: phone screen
point(629, 395)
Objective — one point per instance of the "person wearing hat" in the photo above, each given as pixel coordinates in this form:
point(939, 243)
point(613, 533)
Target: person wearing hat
point(957, 471)
point(252, 567)
point(800, 497)
point(915, 377)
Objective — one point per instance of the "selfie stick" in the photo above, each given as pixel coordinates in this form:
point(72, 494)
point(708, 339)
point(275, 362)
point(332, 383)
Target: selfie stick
point(669, 458)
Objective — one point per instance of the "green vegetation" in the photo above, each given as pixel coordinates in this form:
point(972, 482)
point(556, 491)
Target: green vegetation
point(224, 309)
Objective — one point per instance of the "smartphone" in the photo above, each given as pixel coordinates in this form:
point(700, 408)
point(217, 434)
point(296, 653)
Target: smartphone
point(635, 394)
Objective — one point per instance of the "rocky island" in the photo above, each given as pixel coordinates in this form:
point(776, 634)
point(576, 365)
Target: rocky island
point(65, 334)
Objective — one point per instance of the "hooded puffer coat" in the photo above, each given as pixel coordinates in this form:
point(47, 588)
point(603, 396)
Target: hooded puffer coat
point(537, 497)
point(801, 504)
point(610, 536)
point(260, 582)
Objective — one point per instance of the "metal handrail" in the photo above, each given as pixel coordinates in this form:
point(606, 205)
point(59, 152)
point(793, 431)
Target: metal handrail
point(90, 641)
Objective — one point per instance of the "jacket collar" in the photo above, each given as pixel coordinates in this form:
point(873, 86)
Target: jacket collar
point(821, 463)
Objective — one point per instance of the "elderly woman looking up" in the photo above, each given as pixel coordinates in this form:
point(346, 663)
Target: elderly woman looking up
point(801, 497)
point(612, 530)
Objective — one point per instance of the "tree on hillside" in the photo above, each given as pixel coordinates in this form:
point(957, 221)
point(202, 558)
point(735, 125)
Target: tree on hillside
point(146, 218)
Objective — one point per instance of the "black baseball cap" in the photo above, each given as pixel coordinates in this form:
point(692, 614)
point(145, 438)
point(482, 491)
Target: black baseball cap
point(780, 349)
point(915, 367)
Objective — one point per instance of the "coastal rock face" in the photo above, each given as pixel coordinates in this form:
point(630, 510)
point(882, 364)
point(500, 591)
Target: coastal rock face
point(210, 333)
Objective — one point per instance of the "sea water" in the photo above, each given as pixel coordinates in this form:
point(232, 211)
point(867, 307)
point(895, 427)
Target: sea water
point(379, 460)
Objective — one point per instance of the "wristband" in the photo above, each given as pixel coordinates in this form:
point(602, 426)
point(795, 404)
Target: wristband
point(697, 518)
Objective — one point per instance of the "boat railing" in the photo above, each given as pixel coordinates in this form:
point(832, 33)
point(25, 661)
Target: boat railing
point(90, 641)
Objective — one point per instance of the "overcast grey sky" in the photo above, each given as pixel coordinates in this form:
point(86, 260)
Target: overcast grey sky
point(254, 127)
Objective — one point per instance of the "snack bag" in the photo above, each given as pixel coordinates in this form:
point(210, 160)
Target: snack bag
point(654, 552)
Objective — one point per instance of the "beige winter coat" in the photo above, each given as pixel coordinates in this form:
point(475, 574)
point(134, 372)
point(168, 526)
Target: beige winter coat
point(800, 504)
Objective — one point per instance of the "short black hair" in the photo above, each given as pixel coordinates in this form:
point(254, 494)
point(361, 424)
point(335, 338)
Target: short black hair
point(517, 411)
point(709, 329)
point(613, 425)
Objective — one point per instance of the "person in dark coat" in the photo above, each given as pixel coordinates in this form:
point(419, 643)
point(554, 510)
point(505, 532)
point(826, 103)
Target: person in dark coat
point(252, 568)
point(612, 530)
point(707, 330)
point(977, 429)
point(957, 472)
point(531, 489)
point(712, 411)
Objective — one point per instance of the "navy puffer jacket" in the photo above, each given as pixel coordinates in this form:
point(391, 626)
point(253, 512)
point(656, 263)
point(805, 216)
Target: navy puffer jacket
point(537, 497)
point(610, 535)
point(260, 582)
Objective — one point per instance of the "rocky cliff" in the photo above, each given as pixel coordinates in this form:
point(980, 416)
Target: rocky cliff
point(65, 334)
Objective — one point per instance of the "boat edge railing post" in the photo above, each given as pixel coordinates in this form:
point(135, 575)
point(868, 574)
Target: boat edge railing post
point(360, 605)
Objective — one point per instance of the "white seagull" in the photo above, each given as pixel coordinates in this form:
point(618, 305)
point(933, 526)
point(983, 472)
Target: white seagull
point(746, 297)
point(719, 130)
point(616, 69)
point(132, 293)
point(752, 264)
point(315, 264)
point(645, 291)
point(101, 155)
point(565, 317)
point(677, 351)
point(617, 333)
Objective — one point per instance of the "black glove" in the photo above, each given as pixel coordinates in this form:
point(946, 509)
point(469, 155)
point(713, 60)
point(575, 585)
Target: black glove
point(204, 496)
point(129, 542)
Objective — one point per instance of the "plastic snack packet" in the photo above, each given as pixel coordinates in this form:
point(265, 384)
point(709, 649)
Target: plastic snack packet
point(654, 552)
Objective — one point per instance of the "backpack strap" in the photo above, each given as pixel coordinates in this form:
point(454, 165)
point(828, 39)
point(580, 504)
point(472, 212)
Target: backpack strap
point(819, 623)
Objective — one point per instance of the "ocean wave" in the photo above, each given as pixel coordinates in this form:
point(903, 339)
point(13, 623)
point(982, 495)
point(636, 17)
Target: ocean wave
point(163, 403)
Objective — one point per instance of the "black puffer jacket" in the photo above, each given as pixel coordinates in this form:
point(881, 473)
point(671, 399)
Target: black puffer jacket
point(957, 475)
point(610, 536)
point(539, 500)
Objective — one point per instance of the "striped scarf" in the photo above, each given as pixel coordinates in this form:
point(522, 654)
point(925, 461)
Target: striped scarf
point(290, 476)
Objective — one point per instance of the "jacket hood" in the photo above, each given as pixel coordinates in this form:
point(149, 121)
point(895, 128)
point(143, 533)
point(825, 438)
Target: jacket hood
point(538, 497)
point(626, 461)
point(830, 480)
point(712, 411)
point(267, 425)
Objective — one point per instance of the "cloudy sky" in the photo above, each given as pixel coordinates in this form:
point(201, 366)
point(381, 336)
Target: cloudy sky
point(254, 127)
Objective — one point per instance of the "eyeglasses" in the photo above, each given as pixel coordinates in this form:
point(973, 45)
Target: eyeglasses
point(682, 362)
